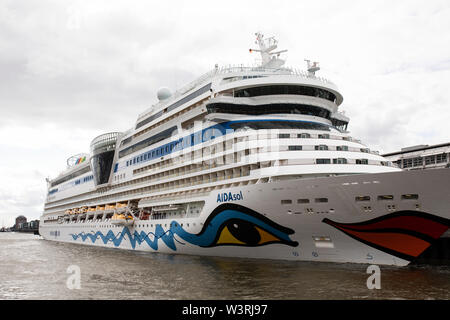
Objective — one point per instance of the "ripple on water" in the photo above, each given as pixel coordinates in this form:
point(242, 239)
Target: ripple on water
point(33, 268)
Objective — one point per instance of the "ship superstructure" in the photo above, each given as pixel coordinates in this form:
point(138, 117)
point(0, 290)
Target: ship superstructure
point(249, 162)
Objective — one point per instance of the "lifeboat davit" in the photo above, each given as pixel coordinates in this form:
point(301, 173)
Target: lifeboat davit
point(122, 220)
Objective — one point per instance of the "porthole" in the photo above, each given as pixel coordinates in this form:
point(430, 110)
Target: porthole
point(410, 196)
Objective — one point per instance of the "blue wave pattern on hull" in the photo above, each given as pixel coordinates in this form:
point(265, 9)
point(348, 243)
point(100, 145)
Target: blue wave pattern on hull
point(207, 237)
point(135, 238)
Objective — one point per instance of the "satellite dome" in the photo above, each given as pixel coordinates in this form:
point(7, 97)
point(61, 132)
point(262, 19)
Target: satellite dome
point(164, 93)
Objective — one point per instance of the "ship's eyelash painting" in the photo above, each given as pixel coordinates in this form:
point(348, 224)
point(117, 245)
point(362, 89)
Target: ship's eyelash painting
point(233, 224)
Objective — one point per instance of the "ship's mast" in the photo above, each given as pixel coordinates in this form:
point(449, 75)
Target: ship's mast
point(312, 67)
point(266, 46)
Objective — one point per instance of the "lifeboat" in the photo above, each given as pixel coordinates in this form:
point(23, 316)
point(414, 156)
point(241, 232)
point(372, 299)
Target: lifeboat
point(121, 205)
point(122, 219)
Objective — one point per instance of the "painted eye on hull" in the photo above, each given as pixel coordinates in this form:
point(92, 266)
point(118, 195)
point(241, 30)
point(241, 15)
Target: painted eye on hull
point(236, 225)
point(241, 232)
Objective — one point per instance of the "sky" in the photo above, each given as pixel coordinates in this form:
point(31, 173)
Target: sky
point(72, 70)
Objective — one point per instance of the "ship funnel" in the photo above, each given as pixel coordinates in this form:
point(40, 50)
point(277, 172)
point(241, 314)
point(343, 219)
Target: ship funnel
point(103, 149)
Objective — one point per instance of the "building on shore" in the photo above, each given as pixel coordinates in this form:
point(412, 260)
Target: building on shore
point(22, 225)
point(421, 157)
point(20, 220)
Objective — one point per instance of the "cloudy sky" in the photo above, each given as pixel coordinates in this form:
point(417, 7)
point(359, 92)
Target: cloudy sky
point(71, 70)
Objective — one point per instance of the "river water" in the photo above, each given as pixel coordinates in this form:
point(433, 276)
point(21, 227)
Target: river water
point(33, 268)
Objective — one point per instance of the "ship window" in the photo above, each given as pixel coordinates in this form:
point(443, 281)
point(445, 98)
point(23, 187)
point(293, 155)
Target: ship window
point(300, 201)
point(304, 135)
point(417, 162)
point(285, 89)
point(386, 197)
point(410, 196)
point(189, 97)
point(407, 163)
point(175, 105)
point(273, 108)
point(147, 142)
point(284, 136)
point(149, 119)
point(286, 124)
point(429, 160)
point(324, 136)
point(295, 148)
point(321, 200)
point(441, 158)
point(284, 202)
point(71, 176)
point(340, 161)
point(341, 148)
point(362, 198)
point(362, 161)
point(321, 147)
point(323, 161)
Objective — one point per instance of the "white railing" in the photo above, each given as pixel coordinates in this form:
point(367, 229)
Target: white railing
point(278, 71)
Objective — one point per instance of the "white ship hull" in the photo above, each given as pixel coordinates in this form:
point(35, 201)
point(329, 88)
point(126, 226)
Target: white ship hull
point(390, 232)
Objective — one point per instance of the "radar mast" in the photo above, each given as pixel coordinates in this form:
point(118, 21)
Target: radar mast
point(266, 46)
point(312, 67)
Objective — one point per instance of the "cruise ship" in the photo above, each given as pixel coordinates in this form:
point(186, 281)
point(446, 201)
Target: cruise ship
point(249, 161)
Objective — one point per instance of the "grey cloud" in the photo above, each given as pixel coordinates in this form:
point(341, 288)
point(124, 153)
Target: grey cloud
point(94, 66)
point(78, 75)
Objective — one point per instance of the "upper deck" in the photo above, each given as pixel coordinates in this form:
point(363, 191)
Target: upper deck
point(224, 78)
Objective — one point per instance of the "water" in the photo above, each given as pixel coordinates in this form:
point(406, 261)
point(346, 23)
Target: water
point(33, 268)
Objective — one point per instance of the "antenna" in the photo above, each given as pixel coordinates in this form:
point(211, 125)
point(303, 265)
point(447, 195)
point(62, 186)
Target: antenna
point(266, 46)
point(312, 67)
